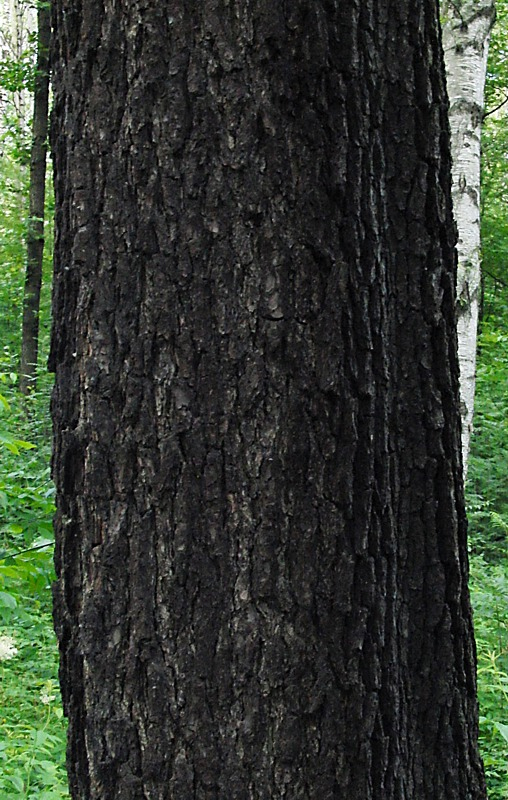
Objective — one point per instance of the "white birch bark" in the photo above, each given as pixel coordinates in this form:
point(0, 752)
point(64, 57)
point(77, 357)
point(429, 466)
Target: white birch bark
point(466, 30)
point(18, 20)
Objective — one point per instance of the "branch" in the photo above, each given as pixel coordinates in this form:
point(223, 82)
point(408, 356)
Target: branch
point(495, 278)
point(468, 12)
point(28, 550)
point(488, 113)
point(456, 8)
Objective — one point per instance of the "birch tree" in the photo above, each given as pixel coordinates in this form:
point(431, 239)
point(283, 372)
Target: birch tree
point(466, 30)
point(17, 23)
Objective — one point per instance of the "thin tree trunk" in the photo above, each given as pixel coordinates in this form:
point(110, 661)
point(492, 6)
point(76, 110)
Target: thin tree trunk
point(35, 231)
point(260, 536)
point(466, 34)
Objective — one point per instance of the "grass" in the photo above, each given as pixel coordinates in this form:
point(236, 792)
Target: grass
point(488, 515)
point(489, 591)
point(32, 738)
point(32, 727)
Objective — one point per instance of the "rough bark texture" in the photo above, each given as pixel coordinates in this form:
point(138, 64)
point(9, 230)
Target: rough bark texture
point(466, 34)
point(261, 539)
point(35, 233)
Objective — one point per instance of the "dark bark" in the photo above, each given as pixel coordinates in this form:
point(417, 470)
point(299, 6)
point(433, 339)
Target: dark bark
point(261, 538)
point(35, 230)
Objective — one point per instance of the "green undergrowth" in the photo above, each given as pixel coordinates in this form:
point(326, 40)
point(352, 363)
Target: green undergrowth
point(488, 463)
point(32, 728)
point(488, 516)
point(489, 591)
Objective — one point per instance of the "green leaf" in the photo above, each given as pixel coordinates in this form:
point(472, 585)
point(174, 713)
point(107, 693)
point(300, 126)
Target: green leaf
point(7, 600)
point(47, 765)
point(40, 738)
point(14, 445)
point(17, 782)
point(13, 528)
point(503, 729)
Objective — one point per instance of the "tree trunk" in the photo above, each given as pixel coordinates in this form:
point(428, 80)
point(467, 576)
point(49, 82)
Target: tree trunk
point(261, 538)
point(35, 231)
point(466, 34)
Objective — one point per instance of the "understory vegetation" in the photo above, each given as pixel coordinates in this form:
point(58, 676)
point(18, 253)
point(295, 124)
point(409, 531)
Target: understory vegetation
point(32, 727)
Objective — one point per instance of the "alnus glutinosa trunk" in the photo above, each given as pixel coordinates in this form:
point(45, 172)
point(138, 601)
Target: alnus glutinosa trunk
point(260, 534)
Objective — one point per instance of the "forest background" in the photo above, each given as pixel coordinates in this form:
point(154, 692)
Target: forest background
point(32, 728)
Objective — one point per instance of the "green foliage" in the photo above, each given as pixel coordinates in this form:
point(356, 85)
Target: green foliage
point(26, 498)
point(13, 228)
point(17, 78)
point(32, 728)
point(13, 214)
point(32, 738)
point(494, 218)
point(18, 74)
point(489, 589)
point(488, 466)
point(497, 69)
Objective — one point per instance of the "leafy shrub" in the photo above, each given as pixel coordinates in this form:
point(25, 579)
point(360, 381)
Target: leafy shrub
point(32, 738)
point(488, 465)
point(489, 590)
